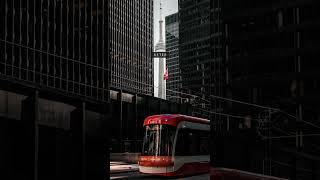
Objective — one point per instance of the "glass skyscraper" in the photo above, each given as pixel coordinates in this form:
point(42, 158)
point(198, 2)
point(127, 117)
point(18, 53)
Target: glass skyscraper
point(60, 45)
point(131, 36)
point(172, 48)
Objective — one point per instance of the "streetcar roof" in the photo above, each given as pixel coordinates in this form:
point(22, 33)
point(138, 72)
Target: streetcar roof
point(173, 119)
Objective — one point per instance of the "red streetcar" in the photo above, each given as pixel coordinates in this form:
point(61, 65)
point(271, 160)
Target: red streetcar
point(175, 145)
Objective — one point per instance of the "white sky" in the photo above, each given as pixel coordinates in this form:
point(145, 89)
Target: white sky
point(168, 7)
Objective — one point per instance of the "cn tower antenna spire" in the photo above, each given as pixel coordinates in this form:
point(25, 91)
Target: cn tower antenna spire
point(161, 24)
point(160, 10)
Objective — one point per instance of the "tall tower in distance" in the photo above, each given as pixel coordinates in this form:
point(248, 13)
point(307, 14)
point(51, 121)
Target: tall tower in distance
point(160, 86)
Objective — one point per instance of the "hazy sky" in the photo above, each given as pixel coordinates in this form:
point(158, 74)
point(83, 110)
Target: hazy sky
point(168, 7)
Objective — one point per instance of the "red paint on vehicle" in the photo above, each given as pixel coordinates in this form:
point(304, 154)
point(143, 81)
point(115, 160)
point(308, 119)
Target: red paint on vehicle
point(155, 161)
point(173, 119)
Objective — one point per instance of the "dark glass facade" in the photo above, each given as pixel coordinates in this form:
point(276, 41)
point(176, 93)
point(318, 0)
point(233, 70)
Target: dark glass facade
point(172, 48)
point(195, 58)
point(131, 36)
point(56, 44)
point(269, 51)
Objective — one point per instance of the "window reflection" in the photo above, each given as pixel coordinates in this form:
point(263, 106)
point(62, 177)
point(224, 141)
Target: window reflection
point(158, 140)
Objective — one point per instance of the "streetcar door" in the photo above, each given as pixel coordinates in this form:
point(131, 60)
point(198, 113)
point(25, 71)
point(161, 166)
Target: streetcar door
point(169, 134)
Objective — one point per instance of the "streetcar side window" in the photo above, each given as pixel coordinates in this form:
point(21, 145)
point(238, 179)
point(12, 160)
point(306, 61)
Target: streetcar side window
point(182, 148)
point(204, 142)
point(192, 142)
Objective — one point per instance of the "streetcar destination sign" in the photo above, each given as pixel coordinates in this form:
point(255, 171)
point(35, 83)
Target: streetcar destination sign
point(159, 54)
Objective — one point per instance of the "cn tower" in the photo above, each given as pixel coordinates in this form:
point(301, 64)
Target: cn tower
point(160, 47)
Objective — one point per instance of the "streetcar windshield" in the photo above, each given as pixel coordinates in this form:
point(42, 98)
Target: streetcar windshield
point(158, 140)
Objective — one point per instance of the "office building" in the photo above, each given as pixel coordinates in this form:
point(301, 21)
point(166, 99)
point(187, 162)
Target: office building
point(194, 48)
point(270, 52)
point(59, 45)
point(54, 86)
point(131, 34)
point(172, 48)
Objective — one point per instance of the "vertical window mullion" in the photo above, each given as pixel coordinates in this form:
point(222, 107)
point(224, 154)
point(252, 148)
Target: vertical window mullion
point(91, 43)
point(79, 46)
point(32, 69)
point(85, 46)
point(102, 51)
point(97, 49)
point(41, 43)
point(73, 45)
point(48, 41)
point(27, 49)
point(20, 39)
point(68, 50)
point(54, 43)
point(61, 49)
point(73, 54)
point(5, 38)
point(91, 49)
point(13, 39)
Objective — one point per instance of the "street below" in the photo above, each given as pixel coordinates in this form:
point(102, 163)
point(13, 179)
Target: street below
point(122, 170)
